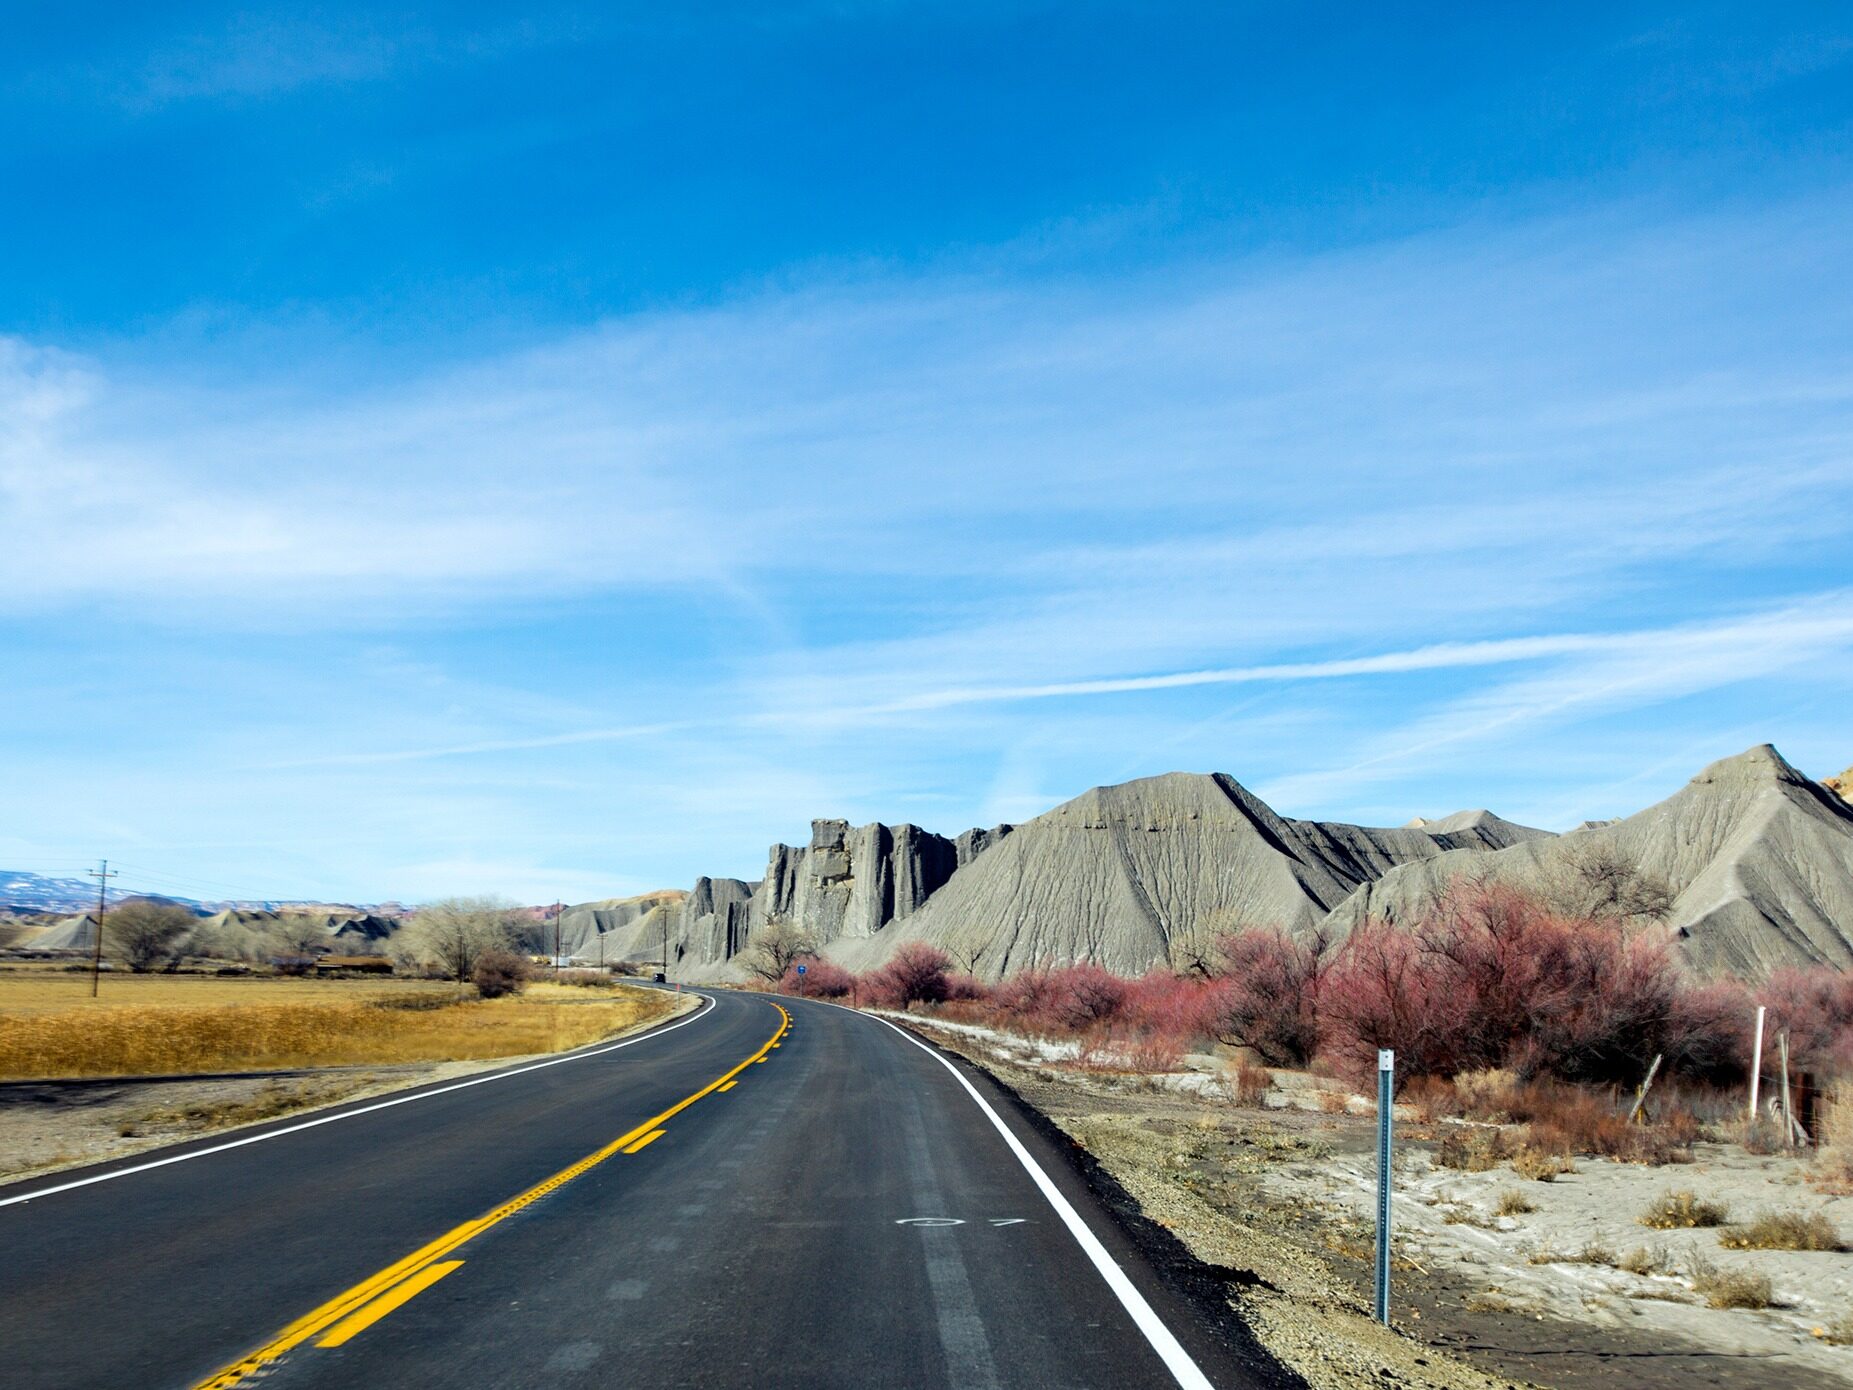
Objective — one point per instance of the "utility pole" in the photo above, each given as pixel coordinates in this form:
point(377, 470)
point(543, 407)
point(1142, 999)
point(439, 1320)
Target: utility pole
point(557, 909)
point(102, 875)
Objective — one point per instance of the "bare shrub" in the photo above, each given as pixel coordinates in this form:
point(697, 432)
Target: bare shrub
point(1783, 1230)
point(1682, 1210)
point(498, 973)
point(1729, 1288)
point(1266, 995)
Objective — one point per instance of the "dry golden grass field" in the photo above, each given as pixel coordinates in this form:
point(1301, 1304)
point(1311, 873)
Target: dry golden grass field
point(175, 1024)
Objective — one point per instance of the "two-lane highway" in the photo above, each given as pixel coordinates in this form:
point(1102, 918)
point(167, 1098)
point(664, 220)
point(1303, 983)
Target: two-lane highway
point(767, 1193)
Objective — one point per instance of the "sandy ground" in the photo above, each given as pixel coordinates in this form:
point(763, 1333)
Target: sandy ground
point(48, 1126)
point(1279, 1199)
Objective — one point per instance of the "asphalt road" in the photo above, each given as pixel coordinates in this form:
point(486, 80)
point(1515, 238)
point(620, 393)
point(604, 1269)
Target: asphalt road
point(829, 1205)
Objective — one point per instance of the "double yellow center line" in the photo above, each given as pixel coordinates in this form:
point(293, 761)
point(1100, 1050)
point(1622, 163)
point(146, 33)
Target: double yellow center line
point(367, 1302)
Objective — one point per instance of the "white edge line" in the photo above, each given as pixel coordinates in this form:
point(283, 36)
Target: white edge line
point(703, 1012)
point(1178, 1361)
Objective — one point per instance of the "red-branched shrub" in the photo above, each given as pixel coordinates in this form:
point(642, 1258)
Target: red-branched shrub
point(1489, 978)
point(1383, 990)
point(1815, 1006)
point(1266, 995)
point(1024, 999)
point(916, 975)
point(966, 989)
point(1174, 1006)
point(1083, 996)
point(820, 980)
point(1708, 1033)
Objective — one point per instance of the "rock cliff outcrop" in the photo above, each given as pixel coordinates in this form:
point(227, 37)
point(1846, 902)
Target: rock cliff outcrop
point(1149, 872)
point(1750, 862)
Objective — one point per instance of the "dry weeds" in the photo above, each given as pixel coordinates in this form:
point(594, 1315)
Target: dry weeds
point(142, 1041)
point(1783, 1230)
point(1682, 1210)
point(1730, 1288)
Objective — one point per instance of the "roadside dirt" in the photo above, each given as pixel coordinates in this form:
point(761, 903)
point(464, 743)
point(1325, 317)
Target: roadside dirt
point(1275, 1202)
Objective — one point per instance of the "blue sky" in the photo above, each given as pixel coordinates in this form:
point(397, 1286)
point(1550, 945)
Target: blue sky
point(561, 453)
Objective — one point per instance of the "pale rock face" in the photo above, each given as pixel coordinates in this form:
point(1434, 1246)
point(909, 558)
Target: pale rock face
point(1758, 858)
point(1147, 874)
point(853, 883)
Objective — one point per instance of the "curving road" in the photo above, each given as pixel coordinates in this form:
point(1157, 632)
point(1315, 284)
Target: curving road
point(764, 1193)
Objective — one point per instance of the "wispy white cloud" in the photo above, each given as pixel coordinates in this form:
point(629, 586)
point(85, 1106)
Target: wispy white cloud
point(911, 538)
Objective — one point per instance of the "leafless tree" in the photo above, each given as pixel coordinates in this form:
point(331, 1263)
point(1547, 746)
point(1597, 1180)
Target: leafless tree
point(144, 935)
point(771, 950)
point(453, 933)
point(1605, 883)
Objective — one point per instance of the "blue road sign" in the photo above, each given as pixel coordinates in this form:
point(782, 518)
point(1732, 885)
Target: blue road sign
point(800, 969)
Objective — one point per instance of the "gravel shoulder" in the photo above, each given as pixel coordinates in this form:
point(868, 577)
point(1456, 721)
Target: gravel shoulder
point(1277, 1202)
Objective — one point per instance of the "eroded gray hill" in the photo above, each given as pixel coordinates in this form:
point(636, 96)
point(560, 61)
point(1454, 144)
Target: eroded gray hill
point(1149, 872)
point(1757, 861)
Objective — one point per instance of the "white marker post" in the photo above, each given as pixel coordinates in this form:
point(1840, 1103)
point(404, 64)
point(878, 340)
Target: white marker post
point(1756, 1061)
point(1386, 1076)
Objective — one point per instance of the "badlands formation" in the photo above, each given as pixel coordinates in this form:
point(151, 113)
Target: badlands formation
point(1751, 863)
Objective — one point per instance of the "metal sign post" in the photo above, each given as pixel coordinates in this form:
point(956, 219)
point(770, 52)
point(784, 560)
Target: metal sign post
point(1386, 1076)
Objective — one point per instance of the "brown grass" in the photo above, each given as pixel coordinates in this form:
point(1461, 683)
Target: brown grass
point(1783, 1230)
point(328, 1030)
point(1246, 1083)
point(1512, 1202)
point(32, 991)
point(1473, 1149)
point(1833, 1164)
point(1541, 1165)
point(1730, 1288)
point(1643, 1260)
point(1839, 1332)
point(1682, 1210)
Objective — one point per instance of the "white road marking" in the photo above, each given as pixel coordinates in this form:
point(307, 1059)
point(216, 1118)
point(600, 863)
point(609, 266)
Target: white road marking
point(702, 1012)
point(929, 1221)
point(1008, 1220)
point(1178, 1361)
